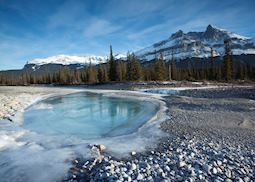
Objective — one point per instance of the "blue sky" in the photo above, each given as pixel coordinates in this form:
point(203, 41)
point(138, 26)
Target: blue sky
point(40, 28)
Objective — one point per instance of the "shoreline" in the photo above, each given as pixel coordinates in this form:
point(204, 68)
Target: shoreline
point(193, 149)
point(16, 138)
point(188, 149)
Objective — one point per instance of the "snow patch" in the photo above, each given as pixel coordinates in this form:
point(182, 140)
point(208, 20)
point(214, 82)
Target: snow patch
point(197, 44)
point(67, 60)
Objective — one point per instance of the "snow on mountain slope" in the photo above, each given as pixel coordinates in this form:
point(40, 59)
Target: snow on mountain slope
point(67, 60)
point(198, 44)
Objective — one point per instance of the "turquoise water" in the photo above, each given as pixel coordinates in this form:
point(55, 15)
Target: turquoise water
point(87, 115)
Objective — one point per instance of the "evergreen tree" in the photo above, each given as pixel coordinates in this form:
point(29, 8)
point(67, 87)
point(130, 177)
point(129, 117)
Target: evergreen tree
point(63, 75)
point(228, 61)
point(112, 67)
point(91, 73)
point(100, 74)
point(211, 74)
point(77, 76)
point(121, 71)
point(173, 68)
point(160, 69)
point(134, 71)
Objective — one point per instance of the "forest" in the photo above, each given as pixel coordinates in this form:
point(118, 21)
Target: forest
point(131, 70)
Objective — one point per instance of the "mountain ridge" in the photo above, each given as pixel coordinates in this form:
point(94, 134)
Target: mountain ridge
point(180, 44)
point(198, 44)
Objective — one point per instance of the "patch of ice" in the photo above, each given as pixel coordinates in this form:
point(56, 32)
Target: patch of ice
point(26, 154)
point(43, 106)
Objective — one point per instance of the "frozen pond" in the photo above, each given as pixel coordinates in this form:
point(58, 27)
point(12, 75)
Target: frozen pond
point(56, 130)
point(87, 115)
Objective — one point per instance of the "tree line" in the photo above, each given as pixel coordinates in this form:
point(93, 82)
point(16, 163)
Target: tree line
point(132, 70)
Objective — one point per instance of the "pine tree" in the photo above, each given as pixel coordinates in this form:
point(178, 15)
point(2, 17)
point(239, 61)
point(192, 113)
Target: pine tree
point(91, 73)
point(100, 74)
point(134, 71)
point(121, 71)
point(173, 68)
point(160, 69)
point(228, 61)
point(112, 67)
point(77, 77)
point(63, 75)
point(211, 75)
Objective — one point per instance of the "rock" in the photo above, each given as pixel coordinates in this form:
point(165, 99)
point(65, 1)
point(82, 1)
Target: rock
point(133, 167)
point(167, 168)
point(101, 148)
point(124, 169)
point(133, 153)
point(214, 170)
point(246, 179)
point(207, 168)
point(180, 157)
point(200, 176)
point(192, 173)
point(219, 170)
point(182, 164)
point(189, 167)
point(243, 171)
point(178, 150)
point(219, 163)
point(228, 173)
point(192, 155)
point(172, 173)
point(140, 176)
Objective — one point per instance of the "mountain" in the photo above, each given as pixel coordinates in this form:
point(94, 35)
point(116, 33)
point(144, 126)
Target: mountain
point(56, 62)
point(198, 45)
point(67, 60)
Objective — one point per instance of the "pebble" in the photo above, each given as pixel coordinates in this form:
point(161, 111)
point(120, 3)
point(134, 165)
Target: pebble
point(214, 170)
point(228, 173)
point(140, 177)
point(180, 159)
point(102, 148)
point(133, 167)
point(167, 168)
point(182, 164)
point(133, 153)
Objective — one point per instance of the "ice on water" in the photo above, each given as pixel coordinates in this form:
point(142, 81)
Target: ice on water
point(56, 130)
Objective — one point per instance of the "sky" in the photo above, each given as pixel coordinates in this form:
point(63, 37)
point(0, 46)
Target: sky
point(40, 28)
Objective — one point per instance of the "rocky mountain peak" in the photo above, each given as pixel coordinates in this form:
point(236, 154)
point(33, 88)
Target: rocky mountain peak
point(214, 33)
point(198, 44)
point(178, 34)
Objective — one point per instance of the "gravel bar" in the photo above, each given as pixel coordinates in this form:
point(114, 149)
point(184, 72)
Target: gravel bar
point(210, 137)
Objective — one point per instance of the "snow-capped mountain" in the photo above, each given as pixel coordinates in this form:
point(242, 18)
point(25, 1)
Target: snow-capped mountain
point(198, 44)
point(54, 63)
point(68, 60)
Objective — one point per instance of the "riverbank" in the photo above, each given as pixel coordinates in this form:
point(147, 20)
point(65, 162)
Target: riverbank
point(53, 153)
point(210, 138)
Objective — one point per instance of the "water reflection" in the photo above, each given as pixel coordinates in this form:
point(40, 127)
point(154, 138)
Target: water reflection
point(88, 115)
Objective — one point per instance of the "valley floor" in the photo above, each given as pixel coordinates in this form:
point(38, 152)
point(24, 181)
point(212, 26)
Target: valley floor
point(209, 136)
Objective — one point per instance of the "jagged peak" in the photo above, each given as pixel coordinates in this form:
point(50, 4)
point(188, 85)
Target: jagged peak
point(213, 27)
point(213, 30)
point(179, 33)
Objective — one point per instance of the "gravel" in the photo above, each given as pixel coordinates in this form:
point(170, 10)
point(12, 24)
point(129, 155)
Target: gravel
point(211, 138)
